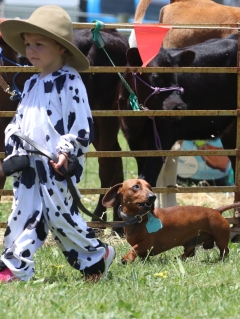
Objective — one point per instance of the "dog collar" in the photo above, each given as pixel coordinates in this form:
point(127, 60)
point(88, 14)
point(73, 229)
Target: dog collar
point(133, 219)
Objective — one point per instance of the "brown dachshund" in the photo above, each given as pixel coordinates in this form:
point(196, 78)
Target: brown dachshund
point(187, 226)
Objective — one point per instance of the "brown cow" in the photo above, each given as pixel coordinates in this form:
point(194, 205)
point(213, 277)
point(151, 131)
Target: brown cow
point(192, 12)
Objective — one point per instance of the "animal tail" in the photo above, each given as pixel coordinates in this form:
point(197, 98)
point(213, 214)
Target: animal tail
point(141, 10)
point(226, 207)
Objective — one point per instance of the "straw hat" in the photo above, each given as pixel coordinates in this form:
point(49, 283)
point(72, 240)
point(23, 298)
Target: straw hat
point(50, 21)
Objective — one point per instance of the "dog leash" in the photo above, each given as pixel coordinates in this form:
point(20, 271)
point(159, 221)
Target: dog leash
point(72, 189)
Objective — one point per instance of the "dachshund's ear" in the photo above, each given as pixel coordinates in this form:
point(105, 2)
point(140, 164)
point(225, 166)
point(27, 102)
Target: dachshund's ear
point(111, 197)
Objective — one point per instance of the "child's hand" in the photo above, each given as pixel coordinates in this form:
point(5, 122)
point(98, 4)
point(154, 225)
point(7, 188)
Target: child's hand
point(62, 161)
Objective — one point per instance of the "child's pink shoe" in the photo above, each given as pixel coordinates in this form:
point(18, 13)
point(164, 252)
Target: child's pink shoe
point(7, 276)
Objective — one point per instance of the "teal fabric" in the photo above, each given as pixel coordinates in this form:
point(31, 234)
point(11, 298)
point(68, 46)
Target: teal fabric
point(153, 224)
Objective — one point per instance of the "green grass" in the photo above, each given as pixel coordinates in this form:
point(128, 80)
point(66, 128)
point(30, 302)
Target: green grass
point(201, 287)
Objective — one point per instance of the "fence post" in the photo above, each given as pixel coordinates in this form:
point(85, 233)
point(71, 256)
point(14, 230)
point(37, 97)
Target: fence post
point(235, 228)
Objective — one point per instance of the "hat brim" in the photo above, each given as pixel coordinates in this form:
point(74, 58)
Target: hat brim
point(11, 32)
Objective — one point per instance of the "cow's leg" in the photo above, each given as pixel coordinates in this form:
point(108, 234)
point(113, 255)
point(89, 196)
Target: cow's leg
point(228, 140)
point(110, 169)
point(151, 169)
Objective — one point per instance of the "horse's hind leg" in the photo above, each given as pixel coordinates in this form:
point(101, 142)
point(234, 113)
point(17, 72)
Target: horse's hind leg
point(2, 177)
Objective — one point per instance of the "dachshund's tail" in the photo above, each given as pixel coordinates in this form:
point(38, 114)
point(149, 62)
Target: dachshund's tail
point(226, 207)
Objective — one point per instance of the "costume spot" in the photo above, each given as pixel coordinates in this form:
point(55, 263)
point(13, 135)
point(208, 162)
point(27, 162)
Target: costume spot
point(47, 137)
point(60, 230)
point(47, 213)
point(65, 202)
point(33, 81)
point(58, 207)
point(78, 173)
point(57, 214)
point(82, 139)
point(26, 253)
point(56, 73)
point(80, 152)
point(15, 218)
point(48, 86)
point(71, 76)
point(59, 127)
point(50, 192)
point(60, 82)
point(57, 239)
point(69, 220)
point(49, 112)
point(89, 258)
point(73, 209)
point(28, 177)
point(40, 230)
point(76, 91)
point(70, 88)
point(32, 222)
point(71, 120)
point(72, 258)
point(7, 231)
point(76, 98)
point(41, 172)
point(33, 242)
point(23, 264)
point(91, 233)
point(19, 212)
point(16, 184)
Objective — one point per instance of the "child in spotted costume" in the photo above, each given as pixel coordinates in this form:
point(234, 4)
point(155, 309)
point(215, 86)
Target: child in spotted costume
point(55, 113)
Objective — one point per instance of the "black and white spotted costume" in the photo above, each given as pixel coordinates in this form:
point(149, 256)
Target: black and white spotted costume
point(54, 112)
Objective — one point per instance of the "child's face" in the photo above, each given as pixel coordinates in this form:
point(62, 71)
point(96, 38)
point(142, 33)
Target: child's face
point(44, 52)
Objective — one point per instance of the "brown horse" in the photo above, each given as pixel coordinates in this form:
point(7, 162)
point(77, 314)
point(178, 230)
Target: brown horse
point(101, 89)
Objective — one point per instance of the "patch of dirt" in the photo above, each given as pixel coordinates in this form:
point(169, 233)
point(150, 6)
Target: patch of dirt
point(213, 200)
